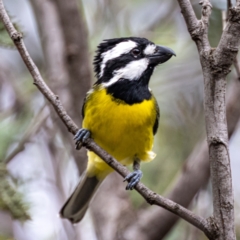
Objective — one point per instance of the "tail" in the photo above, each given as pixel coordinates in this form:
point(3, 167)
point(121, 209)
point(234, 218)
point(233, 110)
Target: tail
point(77, 204)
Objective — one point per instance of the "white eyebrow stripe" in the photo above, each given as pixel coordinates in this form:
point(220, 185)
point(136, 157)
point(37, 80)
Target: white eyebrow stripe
point(150, 49)
point(131, 71)
point(118, 50)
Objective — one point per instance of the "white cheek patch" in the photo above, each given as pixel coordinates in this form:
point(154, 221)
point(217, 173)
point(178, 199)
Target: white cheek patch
point(131, 71)
point(150, 49)
point(118, 50)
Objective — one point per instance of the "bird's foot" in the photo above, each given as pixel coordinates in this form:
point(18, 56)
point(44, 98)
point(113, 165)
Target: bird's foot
point(81, 137)
point(133, 178)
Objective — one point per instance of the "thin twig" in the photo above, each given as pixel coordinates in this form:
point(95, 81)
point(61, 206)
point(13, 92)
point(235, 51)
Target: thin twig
point(206, 12)
point(150, 196)
point(198, 29)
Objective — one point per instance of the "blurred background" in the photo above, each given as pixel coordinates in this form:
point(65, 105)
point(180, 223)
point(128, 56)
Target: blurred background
point(39, 167)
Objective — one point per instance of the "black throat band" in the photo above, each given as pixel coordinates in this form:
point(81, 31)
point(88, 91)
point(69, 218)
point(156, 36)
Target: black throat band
point(132, 91)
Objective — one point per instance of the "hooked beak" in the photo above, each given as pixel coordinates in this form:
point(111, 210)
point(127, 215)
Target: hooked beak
point(161, 55)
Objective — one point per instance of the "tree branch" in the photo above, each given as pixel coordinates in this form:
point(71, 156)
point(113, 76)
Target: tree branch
point(150, 196)
point(215, 66)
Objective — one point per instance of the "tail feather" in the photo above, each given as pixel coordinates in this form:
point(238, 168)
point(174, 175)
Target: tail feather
point(77, 204)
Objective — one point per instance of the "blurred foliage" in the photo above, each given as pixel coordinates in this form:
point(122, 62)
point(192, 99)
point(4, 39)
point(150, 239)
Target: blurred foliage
point(14, 120)
point(11, 131)
point(5, 238)
point(5, 40)
point(11, 200)
point(14, 124)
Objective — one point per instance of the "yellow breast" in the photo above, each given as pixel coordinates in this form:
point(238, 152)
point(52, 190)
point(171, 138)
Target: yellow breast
point(123, 130)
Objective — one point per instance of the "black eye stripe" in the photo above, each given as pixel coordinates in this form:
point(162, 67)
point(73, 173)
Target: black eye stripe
point(115, 64)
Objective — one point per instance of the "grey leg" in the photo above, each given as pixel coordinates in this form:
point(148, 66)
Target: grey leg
point(134, 177)
point(81, 136)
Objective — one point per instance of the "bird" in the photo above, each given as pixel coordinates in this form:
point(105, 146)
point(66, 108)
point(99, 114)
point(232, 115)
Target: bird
point(120, 113)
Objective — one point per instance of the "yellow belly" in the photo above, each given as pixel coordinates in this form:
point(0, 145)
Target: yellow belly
point(124, 131)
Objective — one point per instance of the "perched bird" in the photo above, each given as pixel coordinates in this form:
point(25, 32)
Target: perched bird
point(120, 113)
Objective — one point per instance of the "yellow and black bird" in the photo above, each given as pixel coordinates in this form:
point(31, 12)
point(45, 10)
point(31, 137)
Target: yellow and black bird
point(120, 113)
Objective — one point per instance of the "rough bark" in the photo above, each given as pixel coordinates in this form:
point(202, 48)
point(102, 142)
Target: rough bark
point(215, 65)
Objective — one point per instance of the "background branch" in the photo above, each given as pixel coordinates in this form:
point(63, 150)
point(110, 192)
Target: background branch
point(54, 49)
point(76, 54)
point(77, 62)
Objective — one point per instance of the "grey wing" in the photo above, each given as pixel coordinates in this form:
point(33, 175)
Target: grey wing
point(85, 101)
point(83, 107)
point(155, 126)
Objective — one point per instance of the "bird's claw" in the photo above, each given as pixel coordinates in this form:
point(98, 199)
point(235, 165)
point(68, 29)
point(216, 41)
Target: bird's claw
point(81, 137)
point(133, 178)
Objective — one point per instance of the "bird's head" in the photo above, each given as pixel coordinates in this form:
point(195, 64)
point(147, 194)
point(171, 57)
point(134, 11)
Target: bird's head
point(128, 58)
point(123, 66)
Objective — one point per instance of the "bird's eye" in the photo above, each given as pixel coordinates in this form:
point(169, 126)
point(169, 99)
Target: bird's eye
point(136, 52)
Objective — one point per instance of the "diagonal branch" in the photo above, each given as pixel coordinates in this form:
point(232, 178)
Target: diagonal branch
point(151, 197)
